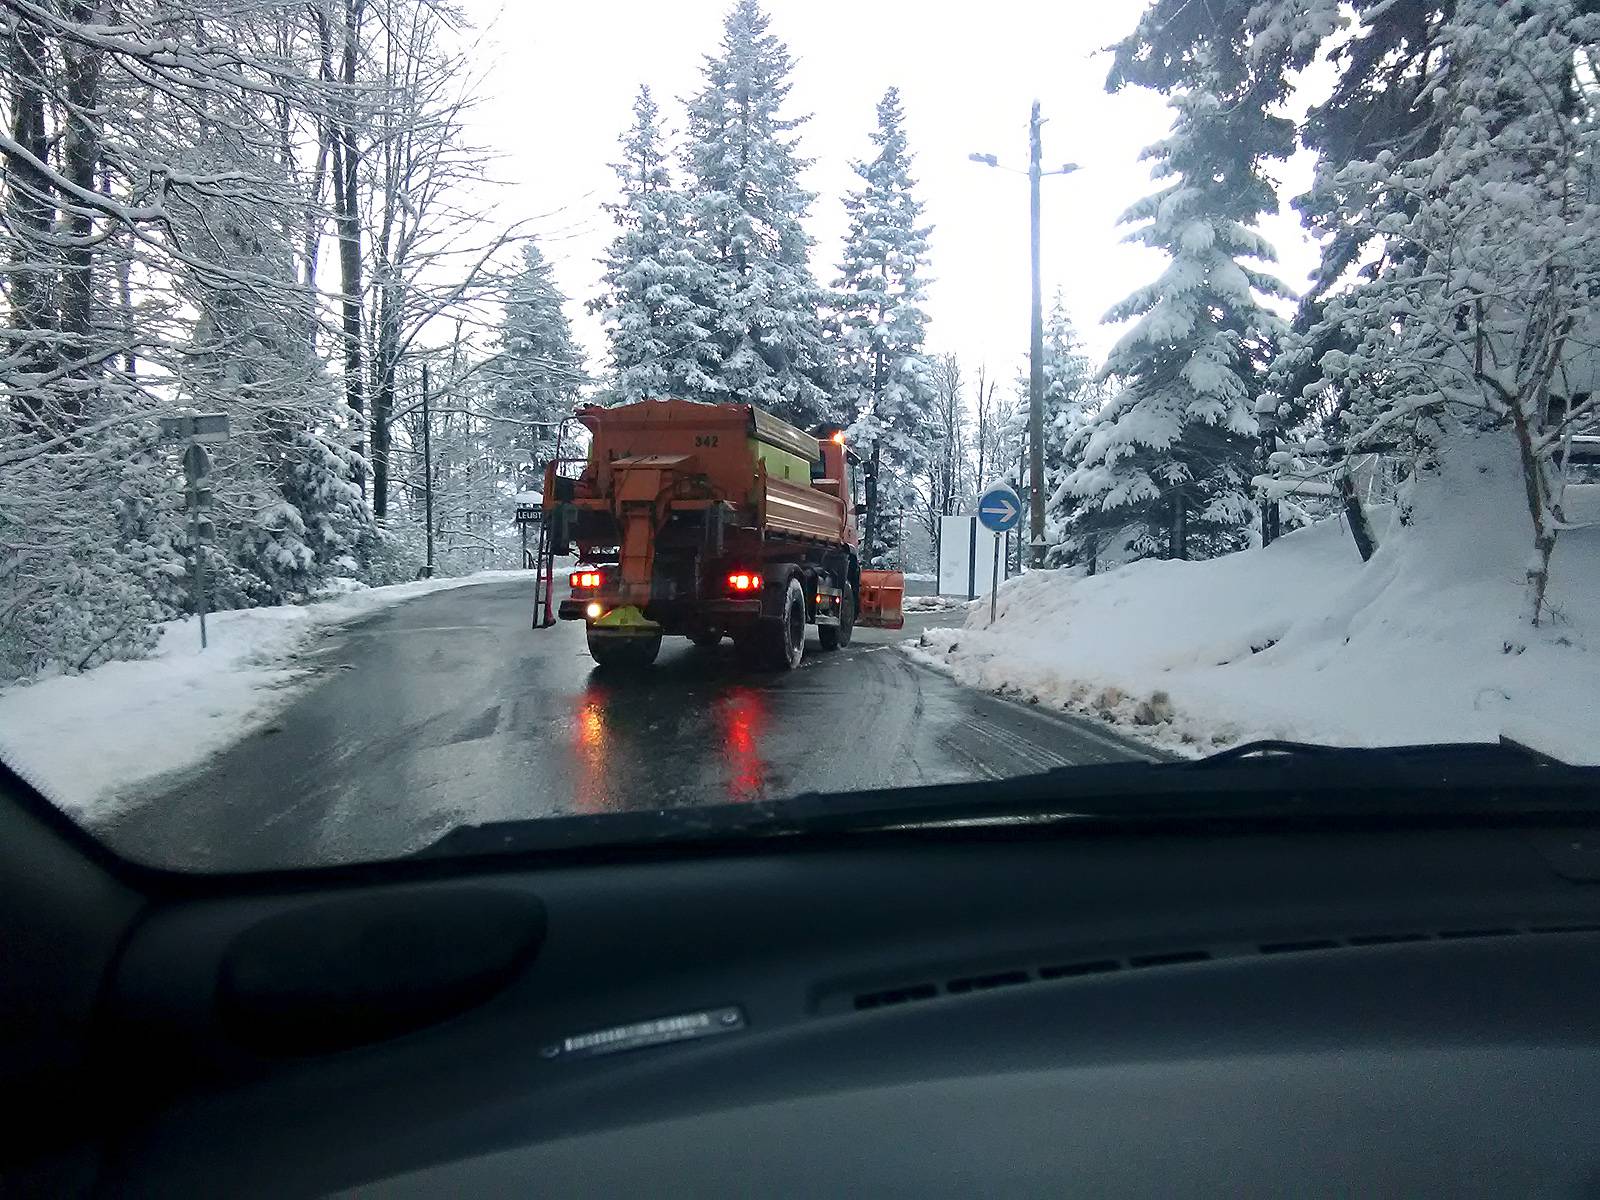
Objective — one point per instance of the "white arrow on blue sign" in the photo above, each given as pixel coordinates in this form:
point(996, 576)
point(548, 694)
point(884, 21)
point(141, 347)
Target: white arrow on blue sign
point(999, 509)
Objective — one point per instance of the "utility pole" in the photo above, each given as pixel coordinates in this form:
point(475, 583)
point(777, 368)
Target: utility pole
point(427, 471)
point(1036, 491)
point(1035, 351)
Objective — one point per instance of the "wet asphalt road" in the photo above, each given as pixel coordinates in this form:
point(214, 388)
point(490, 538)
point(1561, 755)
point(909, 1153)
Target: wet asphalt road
point(449, 709)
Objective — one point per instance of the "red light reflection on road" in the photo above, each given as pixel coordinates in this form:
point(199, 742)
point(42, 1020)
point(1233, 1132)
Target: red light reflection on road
point(742, 714)
point(591, 741)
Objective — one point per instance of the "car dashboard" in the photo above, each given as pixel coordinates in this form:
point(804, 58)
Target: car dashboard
point(1248, 1009)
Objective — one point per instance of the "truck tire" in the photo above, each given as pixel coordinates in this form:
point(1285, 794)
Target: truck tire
point(623, 653)
point(788, 644)
point(835, 637)
point(778, 643)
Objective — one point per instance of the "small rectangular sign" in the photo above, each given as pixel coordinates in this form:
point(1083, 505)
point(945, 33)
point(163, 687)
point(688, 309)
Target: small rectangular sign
point(527, 515)
point(210, 427)
point(195, 427)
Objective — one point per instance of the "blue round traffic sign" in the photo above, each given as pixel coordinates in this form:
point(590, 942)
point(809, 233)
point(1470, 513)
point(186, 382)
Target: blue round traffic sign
point(1000, 509)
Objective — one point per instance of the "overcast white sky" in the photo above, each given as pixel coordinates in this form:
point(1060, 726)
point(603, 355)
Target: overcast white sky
point(562, 79)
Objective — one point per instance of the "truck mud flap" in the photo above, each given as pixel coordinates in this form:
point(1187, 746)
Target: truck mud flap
point(882, 596)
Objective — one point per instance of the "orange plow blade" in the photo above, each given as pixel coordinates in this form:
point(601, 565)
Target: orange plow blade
point(882, 594)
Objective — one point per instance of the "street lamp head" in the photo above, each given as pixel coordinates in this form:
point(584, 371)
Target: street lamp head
point(988, 160)
point(1069, 168)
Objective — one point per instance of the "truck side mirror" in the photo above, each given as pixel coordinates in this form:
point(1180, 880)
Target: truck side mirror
point(861, 510)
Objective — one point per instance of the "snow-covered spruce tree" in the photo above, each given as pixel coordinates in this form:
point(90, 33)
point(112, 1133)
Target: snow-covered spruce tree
point(1480, 318)
point(537, 371)
point(885, 390)
point(1069, 393)
point(747, 218)
point(659, 341)
point(1383, 54)
point(1170, 457)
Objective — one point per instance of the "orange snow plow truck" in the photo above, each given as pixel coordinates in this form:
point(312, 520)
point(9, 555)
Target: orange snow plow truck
point(708, 521)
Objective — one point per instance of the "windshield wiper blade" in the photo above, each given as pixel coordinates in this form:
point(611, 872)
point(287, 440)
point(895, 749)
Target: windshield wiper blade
point(1468, 780)
point(1279, 748)
point(1264, 748)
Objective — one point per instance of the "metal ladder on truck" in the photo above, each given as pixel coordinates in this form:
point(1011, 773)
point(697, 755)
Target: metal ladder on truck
point(544, 577)
point(544, 555)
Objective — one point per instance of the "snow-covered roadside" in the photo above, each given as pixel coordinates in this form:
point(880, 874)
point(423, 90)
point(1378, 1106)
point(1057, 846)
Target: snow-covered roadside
point(90, 741)
point(1302, 640)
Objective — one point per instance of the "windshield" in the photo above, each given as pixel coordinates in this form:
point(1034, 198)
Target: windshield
point(419, 415)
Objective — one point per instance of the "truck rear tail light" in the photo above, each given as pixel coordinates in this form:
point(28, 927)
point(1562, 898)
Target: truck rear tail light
point(743, 581)
point(587, 579)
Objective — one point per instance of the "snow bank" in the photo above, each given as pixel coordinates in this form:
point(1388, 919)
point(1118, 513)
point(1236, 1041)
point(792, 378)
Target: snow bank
point(89, 741)
point(1426, 642)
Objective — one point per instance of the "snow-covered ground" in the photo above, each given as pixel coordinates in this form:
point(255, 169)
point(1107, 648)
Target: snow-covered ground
point(1427, 642)
point(89, 741)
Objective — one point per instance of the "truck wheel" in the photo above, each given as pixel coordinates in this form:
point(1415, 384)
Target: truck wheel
point(786, 638)
point(623, 653)
point(834, 637)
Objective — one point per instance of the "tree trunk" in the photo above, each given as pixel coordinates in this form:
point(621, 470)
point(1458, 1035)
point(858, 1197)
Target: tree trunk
point(1544, 534)
point(1178, 532)
point(327, 133)
point(1360, 528)
point(30, 209)
point(122, 247)
point(347, 220)
point(81, 159)
point(383, 396)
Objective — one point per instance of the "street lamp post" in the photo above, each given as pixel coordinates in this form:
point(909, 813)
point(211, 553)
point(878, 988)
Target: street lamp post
point(1035, 349)
point(1036, 494)
point(427, 471)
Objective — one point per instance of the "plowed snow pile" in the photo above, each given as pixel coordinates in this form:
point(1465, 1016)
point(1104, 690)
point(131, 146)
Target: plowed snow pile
point(1426, 642)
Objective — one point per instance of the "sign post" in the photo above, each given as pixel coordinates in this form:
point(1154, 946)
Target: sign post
point(527, 514)
point(196, 429)
point(999, 510)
